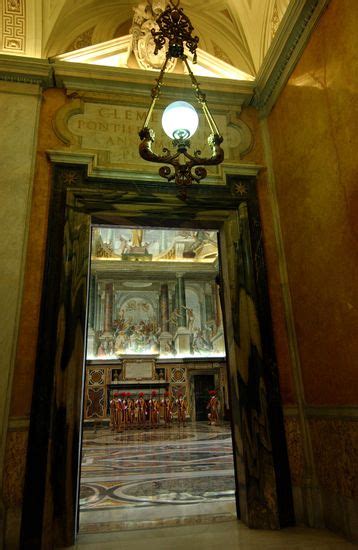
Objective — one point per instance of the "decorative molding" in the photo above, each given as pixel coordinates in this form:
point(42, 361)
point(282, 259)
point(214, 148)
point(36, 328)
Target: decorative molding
point(81, 77)
point(334, 412)
point(18, 423)
point(94, 170)
point(29, 70)
point(221, 54)
point(13, 26)
point(348, 412)
point(82, 41)
point(96, 53)
point(285, 50)
point(61, 118)
point(115, 53)
point(275, 20)
point(246, 136)
point(290, 410)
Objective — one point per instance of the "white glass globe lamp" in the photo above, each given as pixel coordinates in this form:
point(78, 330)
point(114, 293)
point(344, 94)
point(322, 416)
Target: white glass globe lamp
point(180, 120)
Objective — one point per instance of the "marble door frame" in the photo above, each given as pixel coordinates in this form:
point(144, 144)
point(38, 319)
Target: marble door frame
point(50, 508)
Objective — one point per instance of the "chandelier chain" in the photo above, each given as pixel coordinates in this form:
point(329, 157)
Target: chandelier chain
point(176, 29)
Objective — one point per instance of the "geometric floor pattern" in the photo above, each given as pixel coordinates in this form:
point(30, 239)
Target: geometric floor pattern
point(162, 477)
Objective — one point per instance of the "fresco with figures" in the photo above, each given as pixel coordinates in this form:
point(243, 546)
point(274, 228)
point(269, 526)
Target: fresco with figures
point(154, 292)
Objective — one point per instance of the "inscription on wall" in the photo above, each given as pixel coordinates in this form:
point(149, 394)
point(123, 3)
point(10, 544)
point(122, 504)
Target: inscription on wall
point(138, 370)
point(114, 129)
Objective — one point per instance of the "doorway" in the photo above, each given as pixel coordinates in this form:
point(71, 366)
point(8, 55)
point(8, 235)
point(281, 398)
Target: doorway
point(203, 383)
point(54, 439)
point(149, 455)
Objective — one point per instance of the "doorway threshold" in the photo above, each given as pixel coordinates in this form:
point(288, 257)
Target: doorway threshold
point(163, 516)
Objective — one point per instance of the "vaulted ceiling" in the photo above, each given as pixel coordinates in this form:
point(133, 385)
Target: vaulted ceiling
point(238, 32)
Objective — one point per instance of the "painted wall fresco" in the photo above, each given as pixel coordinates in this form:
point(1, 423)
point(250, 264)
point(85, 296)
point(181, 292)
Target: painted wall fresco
point(154, 244)
point(142, 302)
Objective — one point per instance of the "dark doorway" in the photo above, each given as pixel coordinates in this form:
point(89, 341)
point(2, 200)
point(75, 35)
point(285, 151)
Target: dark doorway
point(55, 439)
point(203, 383)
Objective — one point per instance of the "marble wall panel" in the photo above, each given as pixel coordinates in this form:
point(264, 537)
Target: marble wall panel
point(27, 120)
point(16, 448)
point(19, 119)
point(335, 446)
point(295, 449)
point(35, 258)
point(251, 117)
point(275, 284)
point(313, 130)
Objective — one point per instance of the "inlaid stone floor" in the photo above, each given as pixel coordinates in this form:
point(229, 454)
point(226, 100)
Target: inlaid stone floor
point(162, 477)
point(232, 535)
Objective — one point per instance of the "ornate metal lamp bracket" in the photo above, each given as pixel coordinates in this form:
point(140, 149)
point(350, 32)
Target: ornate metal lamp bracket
point(176, 29)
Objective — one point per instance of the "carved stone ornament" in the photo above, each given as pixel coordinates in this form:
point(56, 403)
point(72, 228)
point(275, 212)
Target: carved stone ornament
point(13, 25)
point(143, 45)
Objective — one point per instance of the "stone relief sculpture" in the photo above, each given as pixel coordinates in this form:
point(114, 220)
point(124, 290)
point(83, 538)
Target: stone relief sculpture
point(145, 15)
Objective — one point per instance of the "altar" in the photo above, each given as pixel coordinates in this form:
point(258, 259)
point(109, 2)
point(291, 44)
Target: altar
point(143, 375)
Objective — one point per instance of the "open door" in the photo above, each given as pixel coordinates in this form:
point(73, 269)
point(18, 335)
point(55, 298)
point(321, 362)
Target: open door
point(262, 472)
point(52, 482)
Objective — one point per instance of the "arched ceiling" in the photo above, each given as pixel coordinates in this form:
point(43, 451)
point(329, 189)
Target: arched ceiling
point(238, 32)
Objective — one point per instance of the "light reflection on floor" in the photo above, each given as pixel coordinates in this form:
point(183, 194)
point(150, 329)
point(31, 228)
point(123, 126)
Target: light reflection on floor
point(161, 477)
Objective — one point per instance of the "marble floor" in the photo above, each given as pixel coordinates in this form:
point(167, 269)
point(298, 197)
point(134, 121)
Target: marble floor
point(156, 478)
point(180, 481)
point(232, 535)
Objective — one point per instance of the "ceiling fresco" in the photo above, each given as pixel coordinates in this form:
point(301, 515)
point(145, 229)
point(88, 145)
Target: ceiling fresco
point(154, 245)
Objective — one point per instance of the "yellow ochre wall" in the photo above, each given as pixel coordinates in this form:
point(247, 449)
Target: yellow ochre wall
point(308, 144)
point(20, 405)
point(314, 140)
point(313, 131)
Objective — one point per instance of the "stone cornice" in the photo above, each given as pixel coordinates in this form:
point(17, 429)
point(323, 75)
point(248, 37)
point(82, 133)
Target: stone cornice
point(285, 51)
point(84, 78)
point(19, 423)
point(119, 270)
point(96, 171)
point(28, 70)
point(324, 411)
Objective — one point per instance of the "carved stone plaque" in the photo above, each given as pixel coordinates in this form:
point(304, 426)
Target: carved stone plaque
point(112, 130)
point(138, 370)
